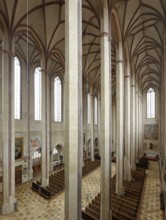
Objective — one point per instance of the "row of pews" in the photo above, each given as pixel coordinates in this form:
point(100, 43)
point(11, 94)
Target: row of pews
point(57, 179)
point(124, 207)
point(89, 166)
point(56, 184)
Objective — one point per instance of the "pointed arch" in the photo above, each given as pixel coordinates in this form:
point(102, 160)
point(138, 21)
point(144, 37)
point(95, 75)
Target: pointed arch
point(57, 99)
point(151, 97)
point(37, 93)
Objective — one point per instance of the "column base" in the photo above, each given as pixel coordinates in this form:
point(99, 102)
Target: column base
point(120, 192)
point(30, 175)
point(47, 182)
point(133, 167)
point(5, 209)
point(8, 208)
point(110, 217)
point(92, 158)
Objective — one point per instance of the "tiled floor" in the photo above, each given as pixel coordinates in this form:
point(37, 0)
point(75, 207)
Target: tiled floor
point(33, 207)
point(150, 201)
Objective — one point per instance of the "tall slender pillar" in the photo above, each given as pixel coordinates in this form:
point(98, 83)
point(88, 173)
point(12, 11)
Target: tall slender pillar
point(163, 159)
point(133, 160)
point(73, 109)
point(99, 124)
point(114, 126)
point(8, 124)
point(92, 122)
point(163, 122)
point(120, 121)
point(106, 123)
point(30, 160)
point(127, 166)
point(45, 123)
point(136, 125)
point(85, 118)
point(140, 125)
point(164, 101)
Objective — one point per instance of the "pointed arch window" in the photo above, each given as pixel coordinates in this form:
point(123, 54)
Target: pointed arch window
point(96, 110)
point(37, 154)
point(150, 103)
point(55, 154)
point(17, 89)
point(37, 91)
point(57, 99)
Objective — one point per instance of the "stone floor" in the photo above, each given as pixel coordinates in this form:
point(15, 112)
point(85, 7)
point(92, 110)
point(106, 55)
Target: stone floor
point(149, 208)
point(31, 206)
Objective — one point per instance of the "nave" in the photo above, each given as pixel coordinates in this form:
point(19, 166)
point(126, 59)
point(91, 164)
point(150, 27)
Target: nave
point(32, 206)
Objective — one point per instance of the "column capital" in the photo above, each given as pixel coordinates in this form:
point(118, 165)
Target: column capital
point(91, 91)
point(9, 53)
point(120, 61)
point(104, 34)
point(43, 70)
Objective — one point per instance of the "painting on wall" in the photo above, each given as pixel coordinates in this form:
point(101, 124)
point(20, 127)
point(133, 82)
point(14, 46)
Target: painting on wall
point(35, 143)
point(151, 131)
point(19, 141)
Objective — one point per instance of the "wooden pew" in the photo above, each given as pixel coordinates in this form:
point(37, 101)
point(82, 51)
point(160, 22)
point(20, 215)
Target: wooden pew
point(124, 207)
point(87, 216)
point(35, 186)
point(92, 213)
point(45, 193)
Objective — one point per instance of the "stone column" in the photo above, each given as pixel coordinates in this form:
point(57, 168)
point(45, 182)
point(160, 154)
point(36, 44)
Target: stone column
point(85, 116)
point(163, 149)
point(106, 123)
point(8, 124)
point(29, 118)
point(136, 125)
point(73, 109)
point(119, 121)
point(140, 126)
point(114, 126)
point(164, 99)
point(127, 165)
point(92, 122)
point(99, 124)
point(133, 160)
point(45, 122)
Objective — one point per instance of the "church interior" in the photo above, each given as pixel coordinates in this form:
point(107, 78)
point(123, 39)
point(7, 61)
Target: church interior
point(82, 109)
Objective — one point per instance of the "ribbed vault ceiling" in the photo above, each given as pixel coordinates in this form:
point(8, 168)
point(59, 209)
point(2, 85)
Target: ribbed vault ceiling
point(142, 24)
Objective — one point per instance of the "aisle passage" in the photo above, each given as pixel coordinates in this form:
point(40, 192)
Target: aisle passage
point(150, 202)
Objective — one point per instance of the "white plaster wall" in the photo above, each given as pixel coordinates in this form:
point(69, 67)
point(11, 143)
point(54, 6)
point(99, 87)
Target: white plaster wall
point(155, 120)
point(57, 134)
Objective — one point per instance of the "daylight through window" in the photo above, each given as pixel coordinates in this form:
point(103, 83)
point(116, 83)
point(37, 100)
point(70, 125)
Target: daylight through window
point(17, 89)
point(151, 103)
